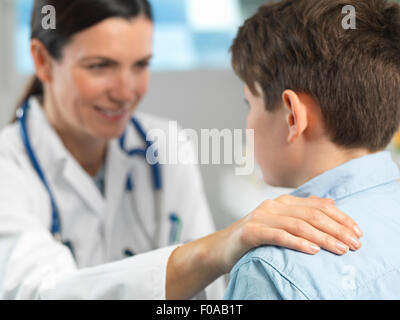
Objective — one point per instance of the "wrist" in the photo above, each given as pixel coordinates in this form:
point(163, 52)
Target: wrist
point(212, 252)
point(191, 267)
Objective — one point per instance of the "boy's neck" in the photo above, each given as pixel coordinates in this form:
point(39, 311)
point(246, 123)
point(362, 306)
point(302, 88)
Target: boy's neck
point(322, 158)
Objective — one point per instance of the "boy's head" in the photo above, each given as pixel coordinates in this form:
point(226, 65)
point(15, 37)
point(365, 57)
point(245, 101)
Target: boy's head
point(314, 86)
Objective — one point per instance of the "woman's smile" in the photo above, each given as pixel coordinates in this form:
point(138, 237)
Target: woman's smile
point(112, 115)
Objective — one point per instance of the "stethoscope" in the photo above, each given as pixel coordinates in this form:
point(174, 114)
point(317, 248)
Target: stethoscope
point(154, 240)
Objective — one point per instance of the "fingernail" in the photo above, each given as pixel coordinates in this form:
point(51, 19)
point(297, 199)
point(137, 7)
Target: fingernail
point(355, 243)
point(342, 247)
point(314, 248)
point(358, 231)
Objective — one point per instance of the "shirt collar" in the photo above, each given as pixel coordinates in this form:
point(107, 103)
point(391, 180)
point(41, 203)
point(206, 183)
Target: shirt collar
point(352, 177)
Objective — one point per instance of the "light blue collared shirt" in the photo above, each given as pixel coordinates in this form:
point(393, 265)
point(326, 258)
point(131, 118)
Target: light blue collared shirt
point(368, 190)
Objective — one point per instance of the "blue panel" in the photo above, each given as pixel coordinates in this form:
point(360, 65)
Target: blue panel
point(212, 48)
point(23, 9)
point(173, 48)
point(169, 11)
point(176, 47)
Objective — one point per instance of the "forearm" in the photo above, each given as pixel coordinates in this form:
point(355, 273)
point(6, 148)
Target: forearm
point(192, 267)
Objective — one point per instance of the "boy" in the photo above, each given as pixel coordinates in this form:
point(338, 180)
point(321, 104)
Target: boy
point(324, 103)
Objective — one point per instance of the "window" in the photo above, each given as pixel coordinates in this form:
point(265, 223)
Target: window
point(22, 59)
point(189, 34)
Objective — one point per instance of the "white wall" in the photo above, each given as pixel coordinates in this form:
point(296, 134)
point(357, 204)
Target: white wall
point(201, 100)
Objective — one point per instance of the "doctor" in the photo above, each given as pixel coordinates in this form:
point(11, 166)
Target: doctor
point(82, 213)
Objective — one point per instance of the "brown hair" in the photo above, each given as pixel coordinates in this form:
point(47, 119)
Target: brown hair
point(74, 16)
point(353, 74)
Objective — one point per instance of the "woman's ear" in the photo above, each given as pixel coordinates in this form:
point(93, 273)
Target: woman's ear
point(296, 114)
point(41, 60)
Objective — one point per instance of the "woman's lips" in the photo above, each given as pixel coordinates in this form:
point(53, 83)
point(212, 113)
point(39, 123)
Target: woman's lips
point(111, 115)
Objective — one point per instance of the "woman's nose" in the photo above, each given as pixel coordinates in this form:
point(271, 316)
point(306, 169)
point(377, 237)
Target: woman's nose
point(124, 90)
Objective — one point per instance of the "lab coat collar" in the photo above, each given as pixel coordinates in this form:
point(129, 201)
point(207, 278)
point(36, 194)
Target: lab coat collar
point(56, 160)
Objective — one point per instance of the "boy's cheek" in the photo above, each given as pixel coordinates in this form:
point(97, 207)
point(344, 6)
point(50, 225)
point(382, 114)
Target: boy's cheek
point(250, 121)
point(268, 160)
point(277, 166)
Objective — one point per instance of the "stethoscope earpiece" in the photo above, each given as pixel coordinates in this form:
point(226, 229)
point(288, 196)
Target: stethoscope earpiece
point(19, 113)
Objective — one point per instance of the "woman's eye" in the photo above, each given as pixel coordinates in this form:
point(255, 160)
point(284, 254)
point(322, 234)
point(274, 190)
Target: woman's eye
point(98, 66)
point(143, 64)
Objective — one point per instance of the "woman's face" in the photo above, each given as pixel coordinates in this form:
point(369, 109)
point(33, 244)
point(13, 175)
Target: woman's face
point(102, 76)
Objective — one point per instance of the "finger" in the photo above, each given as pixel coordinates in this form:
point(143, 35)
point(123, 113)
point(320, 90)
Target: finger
point(302, 229)
point(326, 206)
point(331, 201)
point(312, 216)
point(321, 214)
point(326, 224)
point(278, 237)
point(311, 201)
point(336, 214)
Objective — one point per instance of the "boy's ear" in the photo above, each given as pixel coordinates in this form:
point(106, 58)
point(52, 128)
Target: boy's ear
point(41, 60)
point(296, 114)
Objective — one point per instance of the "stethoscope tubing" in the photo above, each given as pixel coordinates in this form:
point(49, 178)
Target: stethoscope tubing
point(56, 226)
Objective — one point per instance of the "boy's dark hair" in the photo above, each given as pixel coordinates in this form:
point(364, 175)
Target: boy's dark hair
point(353, 74)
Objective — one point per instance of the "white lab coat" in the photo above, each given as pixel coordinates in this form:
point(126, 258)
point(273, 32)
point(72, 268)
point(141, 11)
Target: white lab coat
point(33, 265)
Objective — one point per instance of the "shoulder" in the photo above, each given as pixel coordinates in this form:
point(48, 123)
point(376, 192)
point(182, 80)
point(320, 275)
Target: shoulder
point(15, 173)
point(381, 196)
point(10, 136)
point(19, 183)
point(13, 186)
point(281, 261)
point(11, 146)
point(292, 274)
point(263, 274)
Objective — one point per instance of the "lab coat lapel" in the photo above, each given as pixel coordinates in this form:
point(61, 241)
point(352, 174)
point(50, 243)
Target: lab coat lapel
point(116, 176)
point(57, 162)
point(118, 166)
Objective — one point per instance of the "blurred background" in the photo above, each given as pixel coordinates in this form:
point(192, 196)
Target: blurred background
point(193, 83)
